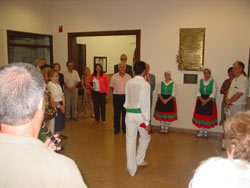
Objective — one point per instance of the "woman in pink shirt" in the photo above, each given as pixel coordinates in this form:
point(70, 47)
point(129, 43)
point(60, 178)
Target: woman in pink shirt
point(99, 84)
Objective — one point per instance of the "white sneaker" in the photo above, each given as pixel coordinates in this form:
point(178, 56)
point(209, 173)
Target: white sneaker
point(144, 163)
point(200, 134)
point(166, 130)
point(131, 174)
point(162, 130)
point(205, 134)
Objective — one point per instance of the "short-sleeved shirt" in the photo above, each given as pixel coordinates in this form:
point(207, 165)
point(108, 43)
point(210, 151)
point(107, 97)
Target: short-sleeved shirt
point(27, 162)
point(71, 77)
point(118, 83)
point(239, 85)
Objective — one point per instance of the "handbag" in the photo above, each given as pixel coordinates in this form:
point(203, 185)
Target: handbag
point(50, 113)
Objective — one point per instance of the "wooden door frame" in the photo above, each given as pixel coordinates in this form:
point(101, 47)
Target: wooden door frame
point(72, 38)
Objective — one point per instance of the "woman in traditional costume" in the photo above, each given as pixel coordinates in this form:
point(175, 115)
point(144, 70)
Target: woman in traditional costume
point(165, 109)
point(205, 112)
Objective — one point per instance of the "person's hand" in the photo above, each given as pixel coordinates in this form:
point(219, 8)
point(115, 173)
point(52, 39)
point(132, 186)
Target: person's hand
point(51, 144)
point(204, 102)
point(107, 96)
point(165, 101)
point(62, 109)
point(227, 101)
point(53, 103)
point(71, 89)
point(148, 127)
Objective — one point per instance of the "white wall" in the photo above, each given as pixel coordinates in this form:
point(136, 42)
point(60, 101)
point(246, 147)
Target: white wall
point(22, 15)
point(227, 35)
point(226, 22)
point(108, 46)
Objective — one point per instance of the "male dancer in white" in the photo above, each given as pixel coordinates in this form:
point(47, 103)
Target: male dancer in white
point(137, 106)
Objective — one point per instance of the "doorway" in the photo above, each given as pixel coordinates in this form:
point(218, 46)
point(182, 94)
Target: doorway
point(76, 52)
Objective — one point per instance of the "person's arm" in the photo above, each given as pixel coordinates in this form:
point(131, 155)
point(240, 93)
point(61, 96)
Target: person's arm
point(77, 78)
point(62, 107)
point(112, 83)
point(106, 82)
point(66, 85)
point(212, 95)
point(91, 78)
point(82, 82)
point(159, 93)
point(223, 90)
point(234, 98)
point(198, 90)
point(242, 88)
point(162, 100)
point(145, 103)
point(51, 90)
point(75, 85)
point(51, 144)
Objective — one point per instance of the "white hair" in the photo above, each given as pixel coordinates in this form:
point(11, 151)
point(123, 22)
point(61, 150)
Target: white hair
point(21, 88)
point(218, 172)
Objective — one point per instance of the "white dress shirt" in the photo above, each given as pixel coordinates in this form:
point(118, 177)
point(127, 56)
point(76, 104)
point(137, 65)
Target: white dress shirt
point(137, 94)
point(240, 85)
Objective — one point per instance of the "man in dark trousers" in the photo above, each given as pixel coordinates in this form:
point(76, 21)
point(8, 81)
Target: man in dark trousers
point(117, 84)
point(123, 59)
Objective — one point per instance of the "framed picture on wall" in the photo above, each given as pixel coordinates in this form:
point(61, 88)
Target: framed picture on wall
point(102, 61)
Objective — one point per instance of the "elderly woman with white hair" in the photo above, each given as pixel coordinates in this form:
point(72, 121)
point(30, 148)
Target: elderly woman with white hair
point(165, 109)
point(205, 112)
point(218, 172)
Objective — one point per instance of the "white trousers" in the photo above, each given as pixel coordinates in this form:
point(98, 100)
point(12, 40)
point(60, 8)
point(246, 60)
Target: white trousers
point(133, 122)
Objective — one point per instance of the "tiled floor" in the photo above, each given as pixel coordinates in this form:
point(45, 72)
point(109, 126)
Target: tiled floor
point(100, 156)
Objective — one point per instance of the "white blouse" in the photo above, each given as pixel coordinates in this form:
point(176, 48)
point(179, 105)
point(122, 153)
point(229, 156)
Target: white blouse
point(56, 91)
point(96, 85)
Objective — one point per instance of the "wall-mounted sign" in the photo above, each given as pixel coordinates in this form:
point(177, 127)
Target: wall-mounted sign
point(191, 49)
point(190, 79)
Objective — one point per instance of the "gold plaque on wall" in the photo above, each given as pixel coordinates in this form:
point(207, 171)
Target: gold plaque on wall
point(191, 49)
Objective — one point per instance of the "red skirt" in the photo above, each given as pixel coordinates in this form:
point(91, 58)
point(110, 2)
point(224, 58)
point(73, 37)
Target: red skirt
point(205, 116)
point(166, 112)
